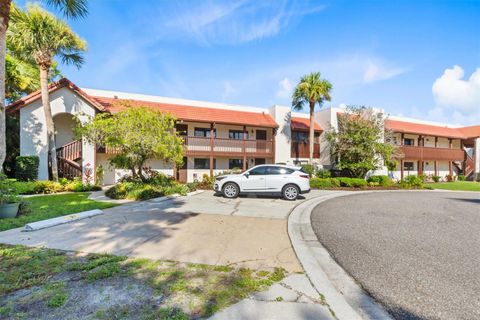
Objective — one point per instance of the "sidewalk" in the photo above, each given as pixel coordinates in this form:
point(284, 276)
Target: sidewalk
point(291, 299)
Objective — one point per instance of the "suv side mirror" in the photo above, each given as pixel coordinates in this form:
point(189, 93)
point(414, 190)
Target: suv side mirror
point(246, 174)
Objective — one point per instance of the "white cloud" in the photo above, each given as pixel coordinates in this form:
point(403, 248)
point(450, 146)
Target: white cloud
point(285, 89)
point(228, 90)
point(457, 100)
point(378, 70)
point(451, 90)
point(236, 22)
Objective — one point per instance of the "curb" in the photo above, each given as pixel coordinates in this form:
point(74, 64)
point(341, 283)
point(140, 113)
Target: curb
point(34, 226)
point(344, 296)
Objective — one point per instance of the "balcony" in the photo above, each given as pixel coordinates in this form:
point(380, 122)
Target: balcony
point(431, 153)
point(301, 150)
point(200, 146)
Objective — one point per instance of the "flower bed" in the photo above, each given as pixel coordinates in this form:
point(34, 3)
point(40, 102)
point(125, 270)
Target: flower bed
point(48, 187)
point(154, 186)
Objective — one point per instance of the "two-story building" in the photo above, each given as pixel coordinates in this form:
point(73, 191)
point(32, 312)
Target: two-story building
point(217, 137)
point(220, 137)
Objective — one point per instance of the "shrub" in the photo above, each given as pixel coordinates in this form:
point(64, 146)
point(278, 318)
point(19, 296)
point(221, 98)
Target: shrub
point(423, 177)
point(323, 174)
point(145, 191)
point(26, 168)
point(47, 187)
point(435, 178)
point(411, 181)
point(352, 182)
point(24, 187)
point(450, 178)
point(461, 178)
point(309, 169)
point(76, 185)
point(380, 180)
point(320, 183)
point(8, 194)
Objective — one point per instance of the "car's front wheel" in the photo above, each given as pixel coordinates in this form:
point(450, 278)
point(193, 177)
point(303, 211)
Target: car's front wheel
point(230, 190)
point(290, 192)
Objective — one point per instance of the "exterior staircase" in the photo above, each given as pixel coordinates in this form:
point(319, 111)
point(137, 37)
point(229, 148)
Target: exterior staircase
point(67, 157)
point(469, 167)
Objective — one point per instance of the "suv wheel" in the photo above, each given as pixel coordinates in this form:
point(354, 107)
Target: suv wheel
point(230, 190)
point(290, 192)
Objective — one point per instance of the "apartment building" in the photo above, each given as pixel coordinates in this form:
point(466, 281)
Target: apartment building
point(220, 137)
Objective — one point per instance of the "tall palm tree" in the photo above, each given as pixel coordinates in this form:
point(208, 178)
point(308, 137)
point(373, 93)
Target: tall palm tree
point(39, 35)
point(311, 89)
point(70, 8)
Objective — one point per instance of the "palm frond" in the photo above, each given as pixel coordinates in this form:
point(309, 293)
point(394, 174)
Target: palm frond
point(72, 9)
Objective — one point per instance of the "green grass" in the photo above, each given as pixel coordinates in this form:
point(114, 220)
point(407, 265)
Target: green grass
point(51, 206)
point(205, 288)
point(457, 185)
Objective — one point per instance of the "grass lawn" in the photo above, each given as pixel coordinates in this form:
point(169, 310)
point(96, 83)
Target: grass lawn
point(457, 185)
point(51, 206)
point(49, 284)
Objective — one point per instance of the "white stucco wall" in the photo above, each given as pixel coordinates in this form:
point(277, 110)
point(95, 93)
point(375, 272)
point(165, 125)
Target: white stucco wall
point(33, 134)
point(282, 116)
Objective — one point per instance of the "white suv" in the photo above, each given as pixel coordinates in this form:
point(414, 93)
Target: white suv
point(287, 181)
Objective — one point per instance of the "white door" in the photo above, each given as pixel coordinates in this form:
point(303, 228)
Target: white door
point(255, 180)
point(276, 178)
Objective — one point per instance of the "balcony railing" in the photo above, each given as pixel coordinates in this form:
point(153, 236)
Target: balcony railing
point(202, 146)
point(431, 153)
point(302, 150)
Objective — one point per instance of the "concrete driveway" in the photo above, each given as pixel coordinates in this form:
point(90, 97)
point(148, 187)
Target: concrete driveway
point(202, 228)
point(416, 252)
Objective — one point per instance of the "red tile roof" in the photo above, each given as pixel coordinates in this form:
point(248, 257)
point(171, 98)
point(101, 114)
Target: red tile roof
point(303, 124)
point(191, 113)
point(432, 130)
point(52, 87)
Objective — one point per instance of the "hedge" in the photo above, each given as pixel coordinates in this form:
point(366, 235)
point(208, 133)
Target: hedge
point(319, 183)
point(380, 180)
point(26, 168)
point(352, 182)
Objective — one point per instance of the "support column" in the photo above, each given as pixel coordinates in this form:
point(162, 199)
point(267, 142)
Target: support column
point(420, 167)
point(401, 169)
point(435, 168)
point(274, 137)
point(174, 169)
point(244, 148)
point(211, 148)
point(450, 168)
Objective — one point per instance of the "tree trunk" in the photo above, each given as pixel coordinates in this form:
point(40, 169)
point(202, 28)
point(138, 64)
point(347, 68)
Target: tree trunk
point(4, 17)
point(312, 130)
point(49, 121)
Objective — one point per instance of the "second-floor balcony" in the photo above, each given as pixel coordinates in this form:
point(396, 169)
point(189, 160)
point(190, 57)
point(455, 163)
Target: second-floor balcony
point(431, 153)
point(205, 146)
point(301, 150)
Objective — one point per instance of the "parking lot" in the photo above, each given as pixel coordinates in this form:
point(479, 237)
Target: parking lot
point(202, 228)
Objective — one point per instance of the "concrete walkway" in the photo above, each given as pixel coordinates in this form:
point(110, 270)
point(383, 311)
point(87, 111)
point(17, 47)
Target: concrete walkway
point(292, 298)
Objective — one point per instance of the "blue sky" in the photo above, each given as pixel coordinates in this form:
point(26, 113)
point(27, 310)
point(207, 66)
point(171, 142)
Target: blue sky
point(414, 58)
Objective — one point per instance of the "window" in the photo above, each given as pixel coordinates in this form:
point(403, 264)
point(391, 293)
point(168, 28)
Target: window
point(182, 129)
point(408, 166)
point(259, 171)
point(278, 170)
point(408, 142)
point(303, 136)
point(235, 163)
point(203, 163)
point(204, 132)
point(237, 134)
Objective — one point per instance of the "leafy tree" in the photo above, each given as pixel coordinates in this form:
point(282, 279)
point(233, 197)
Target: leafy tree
point(134, 136)
point(70, 8)
point(311, 90)
point(37, 34)
point(358, 146)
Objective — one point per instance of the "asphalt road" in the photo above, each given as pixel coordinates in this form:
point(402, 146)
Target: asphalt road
point(418, 253)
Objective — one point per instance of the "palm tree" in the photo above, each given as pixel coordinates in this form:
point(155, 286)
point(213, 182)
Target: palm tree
point(311, 89)
point(39, 35)
point(70, 8)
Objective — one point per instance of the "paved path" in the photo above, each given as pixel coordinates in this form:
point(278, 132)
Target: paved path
point(416, 252)
point(291, 299)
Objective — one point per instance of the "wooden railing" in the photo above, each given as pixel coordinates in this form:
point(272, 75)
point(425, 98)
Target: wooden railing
point(203, 146)
point(469, 166)
point(431, 153)
point(68, 169)
point(302, 150)
point(71, 151)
